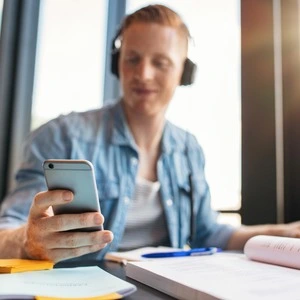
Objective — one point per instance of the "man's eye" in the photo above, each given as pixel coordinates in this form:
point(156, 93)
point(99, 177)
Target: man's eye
point(161, 64)
point(132, 60)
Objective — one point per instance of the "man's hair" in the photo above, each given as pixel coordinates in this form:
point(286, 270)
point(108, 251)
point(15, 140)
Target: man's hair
point(158, 14)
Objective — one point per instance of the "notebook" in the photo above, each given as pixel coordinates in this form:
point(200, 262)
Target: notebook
point(66, 283)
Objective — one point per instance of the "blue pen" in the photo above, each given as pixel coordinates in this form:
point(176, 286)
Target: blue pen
point(192, 252)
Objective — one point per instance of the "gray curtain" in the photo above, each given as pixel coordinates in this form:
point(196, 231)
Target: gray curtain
point(17, 57)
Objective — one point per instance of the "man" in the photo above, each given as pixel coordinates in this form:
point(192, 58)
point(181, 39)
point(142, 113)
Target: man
point(150, 174)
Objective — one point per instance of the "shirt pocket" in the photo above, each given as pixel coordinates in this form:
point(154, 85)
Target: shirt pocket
point(192, 189)
point(182, 173)
point(183, 185)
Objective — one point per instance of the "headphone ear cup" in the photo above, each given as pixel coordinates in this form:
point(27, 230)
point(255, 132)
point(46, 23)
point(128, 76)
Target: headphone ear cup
point(115, 54)
point(114, 67)
point(189, 72)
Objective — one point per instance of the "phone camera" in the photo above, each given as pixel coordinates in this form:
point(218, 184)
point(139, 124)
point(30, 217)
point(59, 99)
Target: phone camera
point(51, 166)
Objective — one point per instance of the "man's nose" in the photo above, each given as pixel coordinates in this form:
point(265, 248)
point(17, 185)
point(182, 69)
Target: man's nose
point(145, 70)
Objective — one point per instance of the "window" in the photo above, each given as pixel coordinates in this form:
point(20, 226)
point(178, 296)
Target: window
point(211, 108)
point(70, 58)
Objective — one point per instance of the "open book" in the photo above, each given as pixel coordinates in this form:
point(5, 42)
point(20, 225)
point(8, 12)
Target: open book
point(282, 251)
point(228, 275)
point(71, 283)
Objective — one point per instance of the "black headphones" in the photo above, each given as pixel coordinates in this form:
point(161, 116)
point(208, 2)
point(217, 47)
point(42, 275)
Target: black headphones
point(189, 69)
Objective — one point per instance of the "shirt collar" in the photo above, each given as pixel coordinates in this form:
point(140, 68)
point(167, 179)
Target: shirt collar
point(121, 134)
point(173, 139)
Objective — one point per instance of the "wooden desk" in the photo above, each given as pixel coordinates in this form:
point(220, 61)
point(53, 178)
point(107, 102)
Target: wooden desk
point(143, 291)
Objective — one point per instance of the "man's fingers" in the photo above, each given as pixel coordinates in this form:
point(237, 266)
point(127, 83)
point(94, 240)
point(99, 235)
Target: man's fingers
point(79, 239)
point(57, 255)
point(67, 222)
point(43, 200)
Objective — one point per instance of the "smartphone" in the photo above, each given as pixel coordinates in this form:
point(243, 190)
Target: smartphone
point(78, 176)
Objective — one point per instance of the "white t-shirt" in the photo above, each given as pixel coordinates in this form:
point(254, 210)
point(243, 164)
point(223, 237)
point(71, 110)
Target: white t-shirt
point(145, 224)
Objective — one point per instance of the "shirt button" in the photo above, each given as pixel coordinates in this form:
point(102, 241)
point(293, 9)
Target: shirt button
point(169, 202)
point(126, 200)
point(134, 161)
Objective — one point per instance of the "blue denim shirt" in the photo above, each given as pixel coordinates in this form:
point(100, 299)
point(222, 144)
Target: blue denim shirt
point(103, 137)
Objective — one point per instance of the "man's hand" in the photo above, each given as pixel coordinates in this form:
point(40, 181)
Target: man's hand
point(288, 230)
point(240, 236)
point(47, 236)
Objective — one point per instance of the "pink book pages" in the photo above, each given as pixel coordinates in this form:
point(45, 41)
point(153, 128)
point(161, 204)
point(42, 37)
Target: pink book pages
point(275, 250)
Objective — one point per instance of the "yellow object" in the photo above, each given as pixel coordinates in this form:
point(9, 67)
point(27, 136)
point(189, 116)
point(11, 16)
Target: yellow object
point(23, 265)
point(104, 297)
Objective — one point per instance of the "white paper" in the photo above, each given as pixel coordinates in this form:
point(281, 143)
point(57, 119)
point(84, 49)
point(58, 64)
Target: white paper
point(70, 283)
point(222, 275)
point(136, 254)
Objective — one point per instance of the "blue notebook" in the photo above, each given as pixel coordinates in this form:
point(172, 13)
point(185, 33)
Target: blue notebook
point(74, 283)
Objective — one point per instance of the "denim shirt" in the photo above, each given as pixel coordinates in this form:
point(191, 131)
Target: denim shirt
point(102, 136)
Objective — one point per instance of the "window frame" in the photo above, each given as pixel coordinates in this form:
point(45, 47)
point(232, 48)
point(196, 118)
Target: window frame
point(17, 62)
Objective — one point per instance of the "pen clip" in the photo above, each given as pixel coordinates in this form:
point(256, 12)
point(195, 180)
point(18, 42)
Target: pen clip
point(206, 251)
